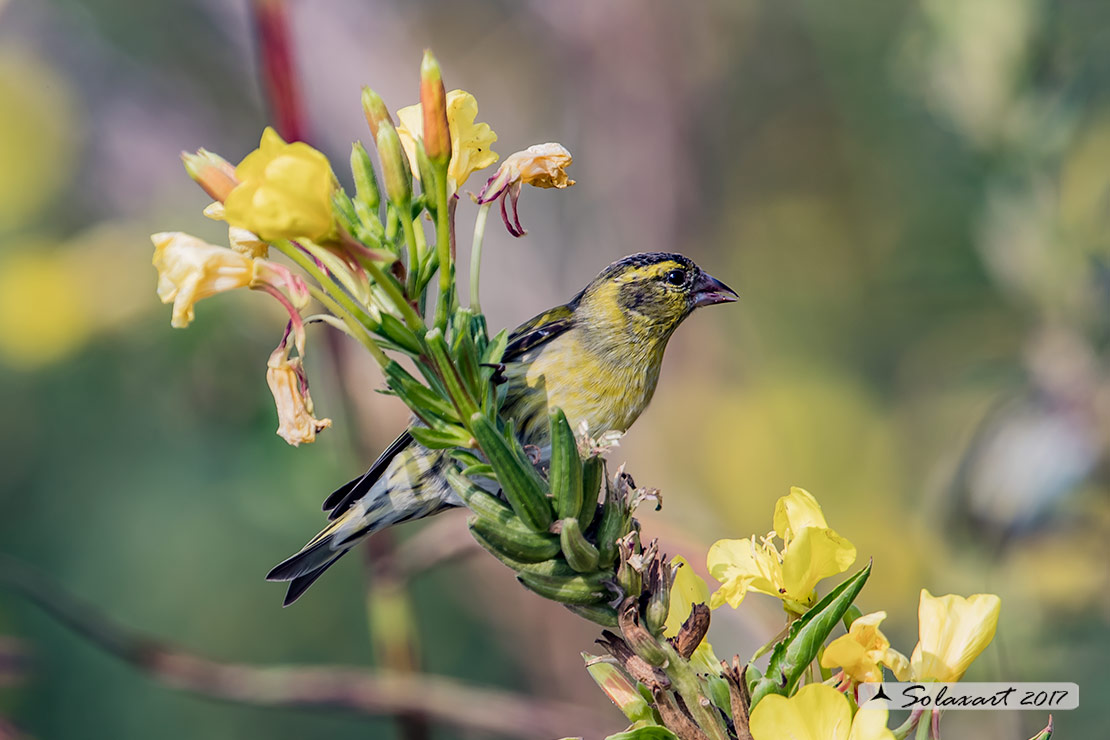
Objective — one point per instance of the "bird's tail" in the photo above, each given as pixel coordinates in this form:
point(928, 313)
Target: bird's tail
point(304, 567)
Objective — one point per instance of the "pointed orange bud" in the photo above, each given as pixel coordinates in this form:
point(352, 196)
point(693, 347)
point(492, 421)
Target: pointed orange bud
point(375, 111)
point(433, 101)
point(212, 172)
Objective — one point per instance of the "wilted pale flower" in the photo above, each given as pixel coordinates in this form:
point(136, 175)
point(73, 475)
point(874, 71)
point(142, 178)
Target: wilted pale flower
point(863, 651)
point(952, 631)
point(816, 712)
point(811, 551)
point(285, 191)
point(687, 590)
point(190, 269)
point(289, 385)
point(470, 141)
point(542, 165)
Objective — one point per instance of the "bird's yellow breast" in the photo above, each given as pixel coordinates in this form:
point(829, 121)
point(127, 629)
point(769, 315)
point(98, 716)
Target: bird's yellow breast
point(606, 388)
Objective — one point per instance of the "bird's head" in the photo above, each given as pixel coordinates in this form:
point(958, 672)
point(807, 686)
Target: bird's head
point(649, 294)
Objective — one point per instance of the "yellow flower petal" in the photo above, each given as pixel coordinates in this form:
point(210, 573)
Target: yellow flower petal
point(795, 511)
point(296, 424)
point(862, 651)
point(285, 191)
point(952, 632)
point(190, 269)
point(740, 566)
point(816, 712)
point(814, 554)
point(470, 141)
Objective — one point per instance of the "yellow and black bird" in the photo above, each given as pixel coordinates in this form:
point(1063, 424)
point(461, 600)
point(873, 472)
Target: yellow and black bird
point(597, 357)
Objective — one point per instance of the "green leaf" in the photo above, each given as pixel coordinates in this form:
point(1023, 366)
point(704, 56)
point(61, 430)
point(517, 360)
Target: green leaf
point(396, 331)
point(483, 469)
point(620, 690)
point(456, 389)
point(522, 485)
point(416, 395)
point(440, 439)
point(793, 655)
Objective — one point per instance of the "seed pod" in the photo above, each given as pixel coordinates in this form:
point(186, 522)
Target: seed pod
point(366, 183)
point(522, 486)
point(565, 477)
point(576, 589)
point(593, 472)
point(580, 554)
point(637, 636)
point(614, 520)
point(513, 538)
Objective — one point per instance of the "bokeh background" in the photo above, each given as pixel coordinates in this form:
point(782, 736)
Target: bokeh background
point(912, 199)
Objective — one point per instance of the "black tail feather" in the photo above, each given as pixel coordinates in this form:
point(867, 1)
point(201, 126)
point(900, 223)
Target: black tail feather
point(300, 584)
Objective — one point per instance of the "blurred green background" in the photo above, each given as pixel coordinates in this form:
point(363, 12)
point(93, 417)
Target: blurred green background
point(912, 199)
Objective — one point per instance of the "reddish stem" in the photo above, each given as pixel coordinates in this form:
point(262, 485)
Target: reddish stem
point(277, 67)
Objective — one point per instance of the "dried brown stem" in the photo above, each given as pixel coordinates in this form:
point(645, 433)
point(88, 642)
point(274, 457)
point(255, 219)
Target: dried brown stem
point(435, 699)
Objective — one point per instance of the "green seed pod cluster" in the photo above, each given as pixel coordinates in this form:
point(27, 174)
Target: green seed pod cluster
point(550, 530)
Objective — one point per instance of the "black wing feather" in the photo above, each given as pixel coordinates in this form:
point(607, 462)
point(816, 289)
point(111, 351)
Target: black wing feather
point(539, 330)
point(341, 498)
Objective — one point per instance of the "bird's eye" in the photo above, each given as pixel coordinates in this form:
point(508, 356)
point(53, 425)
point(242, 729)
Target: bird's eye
point(675, 277)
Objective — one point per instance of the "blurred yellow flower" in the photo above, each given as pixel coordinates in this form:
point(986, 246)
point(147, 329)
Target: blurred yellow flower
point(190, 269)
point(952, 631)
point(863, 651)
point(42, 312)
point(542, 165)
point(687, 590)
point(816, 712)
point(470, 141)
point(289, 386)
point(810, 551)
point(285, 191)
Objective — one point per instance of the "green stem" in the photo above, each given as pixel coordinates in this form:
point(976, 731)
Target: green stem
point(392, 289)
point(443, 247)
point(476, 256)
point(405, 217)
point(355, 329)
point(329, 285)
point(685, 681)
point(903, 730)
point(924, 724)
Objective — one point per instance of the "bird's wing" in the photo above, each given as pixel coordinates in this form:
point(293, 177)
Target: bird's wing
point(341, 498)
point(532, 333)
point(538, 330)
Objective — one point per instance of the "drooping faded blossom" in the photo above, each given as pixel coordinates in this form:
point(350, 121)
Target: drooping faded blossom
point(289, 386)
point(190, 269)
point(470, 141)
point(284, 192)
point(541, 165)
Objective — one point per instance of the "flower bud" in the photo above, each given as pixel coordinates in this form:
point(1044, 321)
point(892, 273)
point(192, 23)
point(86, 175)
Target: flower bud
point(366, 184)
point(395, 166)
point(373, 107)
point(212, 172)
point(433, 100)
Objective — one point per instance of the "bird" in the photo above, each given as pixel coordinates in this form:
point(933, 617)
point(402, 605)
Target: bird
point(597, 357)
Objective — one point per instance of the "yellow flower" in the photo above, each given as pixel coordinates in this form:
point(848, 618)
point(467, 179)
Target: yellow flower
point(470, 141)
point(190, 269)
point(289, 385)
point(687, 590)
point(810, 551)
point(952, 631)
point(542, 165)
point(285, 191)
point(862, 651)
point(816, 712)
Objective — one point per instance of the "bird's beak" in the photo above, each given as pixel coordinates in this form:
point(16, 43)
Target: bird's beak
point(708, 290)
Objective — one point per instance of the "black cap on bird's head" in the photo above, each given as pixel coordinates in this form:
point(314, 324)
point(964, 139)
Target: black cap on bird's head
point(658, 289)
